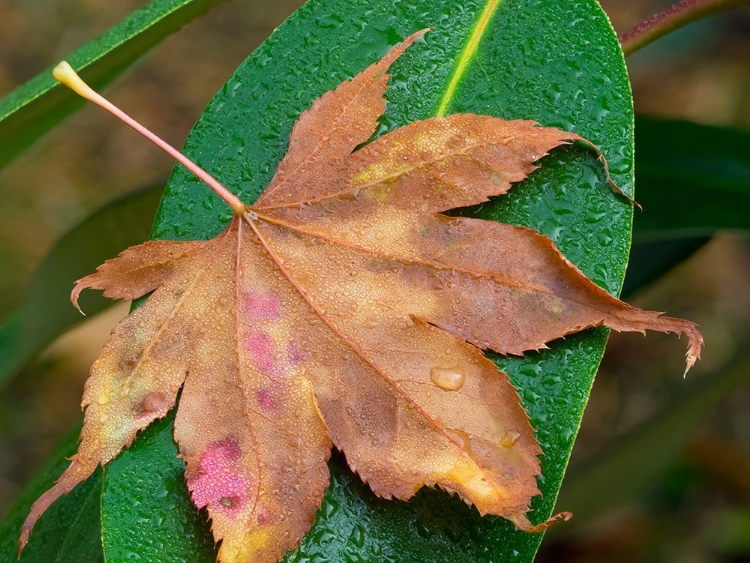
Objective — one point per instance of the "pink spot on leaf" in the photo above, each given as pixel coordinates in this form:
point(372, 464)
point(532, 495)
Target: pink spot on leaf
point(260, 305)
point(266, 399)
point(218, 484)
point(264, 516)
point(220, 455)
point(261, 349)
point(295, 354)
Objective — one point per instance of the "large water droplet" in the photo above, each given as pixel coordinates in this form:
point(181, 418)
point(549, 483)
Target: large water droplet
point(450, 379)
point(510, 439)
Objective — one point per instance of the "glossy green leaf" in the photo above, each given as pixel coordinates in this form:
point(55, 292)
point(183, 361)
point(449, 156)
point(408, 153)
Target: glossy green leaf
point(46, 312)
point(637, 459)
point(691, 178)
point(70, 531)
point(152, 478)
point(31, 110)
point(558, 63)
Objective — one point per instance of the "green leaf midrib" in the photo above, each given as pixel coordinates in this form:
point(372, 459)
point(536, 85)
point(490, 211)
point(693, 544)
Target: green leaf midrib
point(467, 54)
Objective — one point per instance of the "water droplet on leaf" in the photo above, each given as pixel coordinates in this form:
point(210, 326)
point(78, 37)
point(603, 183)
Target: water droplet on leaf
point(510, 439)
point(450, 378)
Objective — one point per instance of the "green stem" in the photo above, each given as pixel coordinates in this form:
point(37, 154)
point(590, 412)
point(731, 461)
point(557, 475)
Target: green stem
point(672, 18)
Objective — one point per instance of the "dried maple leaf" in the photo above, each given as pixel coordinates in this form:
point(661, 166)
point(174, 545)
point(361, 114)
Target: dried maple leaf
point(344, 308)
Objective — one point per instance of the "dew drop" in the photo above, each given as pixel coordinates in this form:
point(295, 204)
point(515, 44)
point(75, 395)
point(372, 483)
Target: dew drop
point(450, 379)
point(510, 439)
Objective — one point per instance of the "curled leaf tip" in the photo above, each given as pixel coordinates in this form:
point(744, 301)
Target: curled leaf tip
point(600, 155)
point(695, 344)
point(23, 540)
point(556, 519)
point(74, 296)
point(689, 362)
point(523, 524)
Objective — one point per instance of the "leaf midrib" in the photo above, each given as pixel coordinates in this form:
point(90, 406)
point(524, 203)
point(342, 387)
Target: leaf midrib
point(467, 54)
point(355, 348)
point(241, 365)
point(428, 263)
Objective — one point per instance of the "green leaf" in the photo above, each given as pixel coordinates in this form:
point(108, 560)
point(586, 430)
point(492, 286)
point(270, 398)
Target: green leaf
point(636, 460)
point(31, 110)
point(150, 481)
point(558, 63)
point(46, 312)
point(650, 259)
point(70, 530)
point(691, 178)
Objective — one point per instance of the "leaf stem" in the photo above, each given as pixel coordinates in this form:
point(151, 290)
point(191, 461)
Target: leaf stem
point(65, 74)
point(674, 17)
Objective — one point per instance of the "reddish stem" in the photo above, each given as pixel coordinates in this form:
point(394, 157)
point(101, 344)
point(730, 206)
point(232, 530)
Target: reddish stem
point(66, 75)
point(672, 18)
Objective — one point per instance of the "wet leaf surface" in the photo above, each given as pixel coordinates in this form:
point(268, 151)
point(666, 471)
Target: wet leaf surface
point(344, 308)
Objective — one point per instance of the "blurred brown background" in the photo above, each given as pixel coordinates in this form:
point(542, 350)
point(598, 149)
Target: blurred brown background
point(696, 511)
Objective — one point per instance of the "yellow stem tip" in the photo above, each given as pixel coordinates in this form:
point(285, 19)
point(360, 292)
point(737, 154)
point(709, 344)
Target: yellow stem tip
point(65, 74)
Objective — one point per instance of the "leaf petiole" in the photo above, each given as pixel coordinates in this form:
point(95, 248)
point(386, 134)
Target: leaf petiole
point(65, 74)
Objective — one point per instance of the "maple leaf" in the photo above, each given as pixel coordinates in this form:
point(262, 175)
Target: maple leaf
point(344, 309)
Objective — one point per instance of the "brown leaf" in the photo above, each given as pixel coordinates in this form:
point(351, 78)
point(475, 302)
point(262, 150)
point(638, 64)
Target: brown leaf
point(344, 308)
